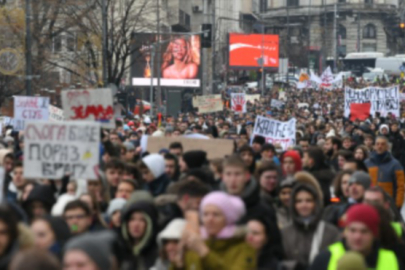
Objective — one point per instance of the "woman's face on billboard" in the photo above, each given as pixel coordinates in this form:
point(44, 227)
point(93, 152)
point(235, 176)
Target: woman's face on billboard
point(179, 49)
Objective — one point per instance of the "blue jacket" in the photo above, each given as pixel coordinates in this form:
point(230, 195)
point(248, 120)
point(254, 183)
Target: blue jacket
point(388, 174)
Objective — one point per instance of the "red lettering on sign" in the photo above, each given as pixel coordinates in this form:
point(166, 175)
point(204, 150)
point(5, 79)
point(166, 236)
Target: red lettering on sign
point(28, 102)
point(98, 111)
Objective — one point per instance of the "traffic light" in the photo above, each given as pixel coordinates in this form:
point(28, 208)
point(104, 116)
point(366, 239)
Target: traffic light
point(402, 29)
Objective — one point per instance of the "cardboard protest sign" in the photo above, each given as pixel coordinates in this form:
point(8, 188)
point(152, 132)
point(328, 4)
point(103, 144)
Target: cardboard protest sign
point(29, 108)
point(54, 149)
point(359, 111)
point(383, 100)
point(90, 105)
point(55, 114)
point(215, 148)
point(208, 104)
point(238, 102)
point(277, 103)
point(252, 98)
point(275, 132)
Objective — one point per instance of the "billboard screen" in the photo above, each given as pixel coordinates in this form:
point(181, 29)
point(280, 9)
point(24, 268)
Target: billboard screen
point(180, 58)
point(246, 50)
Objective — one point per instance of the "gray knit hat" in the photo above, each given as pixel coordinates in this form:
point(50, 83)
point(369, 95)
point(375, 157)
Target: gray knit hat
point(360, 178)
point(96, 245)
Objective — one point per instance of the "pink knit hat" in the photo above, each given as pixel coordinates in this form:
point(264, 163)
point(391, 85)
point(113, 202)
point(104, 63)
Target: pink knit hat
point(232, 206)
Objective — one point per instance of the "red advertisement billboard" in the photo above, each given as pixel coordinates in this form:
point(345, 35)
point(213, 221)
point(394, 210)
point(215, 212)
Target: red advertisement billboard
point(247, 50)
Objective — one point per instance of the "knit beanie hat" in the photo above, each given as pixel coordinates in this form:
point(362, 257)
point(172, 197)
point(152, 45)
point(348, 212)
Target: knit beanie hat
point(195, 159)
point(365, 214)
point(351, 261)
point(361, 178)
point(95, 247)
point(156, 164)
point(384, 126)
point(232, 207)
point(115, 205)
point(173, 231)
point(295, 157)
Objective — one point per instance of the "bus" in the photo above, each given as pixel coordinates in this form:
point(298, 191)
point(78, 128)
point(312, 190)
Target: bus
point(358, 63)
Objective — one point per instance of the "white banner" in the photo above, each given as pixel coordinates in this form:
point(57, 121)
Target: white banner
point(208, 104)
point(54, 149)
point(89, 105)
point(55, 114)
point(383, 100)
point(238, 101)
point(276, 132)
point(29, 108)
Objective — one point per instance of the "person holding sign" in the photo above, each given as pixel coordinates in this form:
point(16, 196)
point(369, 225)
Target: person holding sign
point(216, 247)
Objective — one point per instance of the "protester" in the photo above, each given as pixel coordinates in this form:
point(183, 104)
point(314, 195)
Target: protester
point(51, 234)
point(314, 163)
point(153, 173)
point(362, 222)
point(308, 234)
point(291, 163)
point(218, 246)
point(78, 216)
point(386, 171)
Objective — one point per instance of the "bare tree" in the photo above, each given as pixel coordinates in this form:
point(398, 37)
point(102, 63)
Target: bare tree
point(124, 18)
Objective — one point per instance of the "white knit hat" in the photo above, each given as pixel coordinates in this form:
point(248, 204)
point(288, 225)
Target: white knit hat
point(155, 163)
point(173, 231)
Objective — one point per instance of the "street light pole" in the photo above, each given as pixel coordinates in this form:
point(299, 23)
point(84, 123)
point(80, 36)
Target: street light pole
point(28, 44)
point(105, 40)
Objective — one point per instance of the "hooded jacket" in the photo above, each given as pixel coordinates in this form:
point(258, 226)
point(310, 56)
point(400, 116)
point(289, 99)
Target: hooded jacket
point(156, 164)
point(386, 172)
point(43, 194)
point(255, 206)
point(298, 237)
point(324, 175)
point(143, 255)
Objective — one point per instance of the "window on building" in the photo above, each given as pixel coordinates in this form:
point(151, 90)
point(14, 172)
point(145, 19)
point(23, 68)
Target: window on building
point(293, 3)
point(263, 6)
point(369, 47)
point(369, 31)
point(342, 1)
point(368, 1)
point(342, 50)
point(71, 42)
point(57, 43)
point(342, 31)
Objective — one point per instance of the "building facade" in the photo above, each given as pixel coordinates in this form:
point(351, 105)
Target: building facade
point(312, 31)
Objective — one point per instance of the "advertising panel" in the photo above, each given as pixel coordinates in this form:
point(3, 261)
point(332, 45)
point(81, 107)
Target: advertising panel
point(249, 50)
point(180, 60)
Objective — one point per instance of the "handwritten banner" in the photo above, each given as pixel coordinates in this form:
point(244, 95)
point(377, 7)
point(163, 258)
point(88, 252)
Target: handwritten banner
point(383, 100)
point(29, 108)
point(238, 102)
point(208, 104)
point(54, 149)
point(90, 105)
point(276, 132)
point(55, 114)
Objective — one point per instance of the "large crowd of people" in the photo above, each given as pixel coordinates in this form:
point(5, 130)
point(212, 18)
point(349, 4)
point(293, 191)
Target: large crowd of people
point(331, 202)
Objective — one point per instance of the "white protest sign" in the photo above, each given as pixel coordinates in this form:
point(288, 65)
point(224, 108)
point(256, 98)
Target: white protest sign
point(275, 132)
point(29, 108)
point(252, 98)
point(238, 102)
point(208, 104)
point(383, 100)
point(55, 114)
point(54, 149)
point(277, 103)
point(89, 105)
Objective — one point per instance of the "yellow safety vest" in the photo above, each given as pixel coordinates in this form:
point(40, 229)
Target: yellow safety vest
point(386, 258)
point(397, 228)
